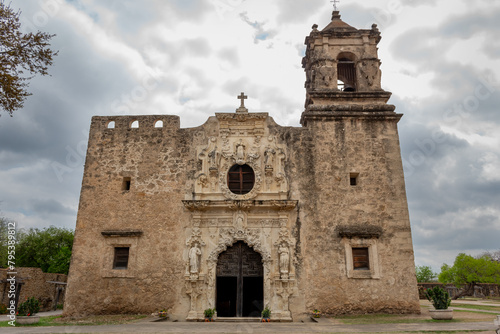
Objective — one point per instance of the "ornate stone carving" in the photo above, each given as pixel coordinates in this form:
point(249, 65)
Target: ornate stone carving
point(196, 205)
point(194, 288)
point(195, 237)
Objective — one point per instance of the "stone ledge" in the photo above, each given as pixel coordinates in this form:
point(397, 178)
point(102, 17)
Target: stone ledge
point(122, 233)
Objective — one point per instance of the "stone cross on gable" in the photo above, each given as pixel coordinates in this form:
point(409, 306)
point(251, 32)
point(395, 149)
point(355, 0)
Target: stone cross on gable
point(242, 108)
point(335, 2)
point(242, 97)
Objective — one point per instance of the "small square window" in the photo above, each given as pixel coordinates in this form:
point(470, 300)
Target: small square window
point(353, 179)
point(121, 258)
point(126, 183)
point(360, 259)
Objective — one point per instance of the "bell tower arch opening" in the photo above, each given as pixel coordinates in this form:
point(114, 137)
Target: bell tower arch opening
point(346, 69)
point(239, 282)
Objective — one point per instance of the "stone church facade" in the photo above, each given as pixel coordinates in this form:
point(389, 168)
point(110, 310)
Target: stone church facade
point(241, 213)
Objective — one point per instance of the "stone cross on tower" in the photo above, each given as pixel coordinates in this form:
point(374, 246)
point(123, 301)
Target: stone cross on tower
point(335, 4)
point(242, 108)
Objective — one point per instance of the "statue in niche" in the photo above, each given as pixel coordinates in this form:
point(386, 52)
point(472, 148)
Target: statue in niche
point(239, 222)
point(284, 255)
point(194, 262)
point(203, 180)
point(212, 157)
point(240, 153)
point(269, 156)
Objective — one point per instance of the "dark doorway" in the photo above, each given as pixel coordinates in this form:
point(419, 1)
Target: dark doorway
point(240, 283)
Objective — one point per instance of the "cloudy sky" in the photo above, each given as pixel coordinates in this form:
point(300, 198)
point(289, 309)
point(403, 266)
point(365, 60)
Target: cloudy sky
point(192, 57)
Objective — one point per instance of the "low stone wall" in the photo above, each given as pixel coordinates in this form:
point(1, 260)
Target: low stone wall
point(482, 290)
point(34, 283)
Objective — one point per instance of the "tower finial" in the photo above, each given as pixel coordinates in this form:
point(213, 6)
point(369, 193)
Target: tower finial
point(335, 4)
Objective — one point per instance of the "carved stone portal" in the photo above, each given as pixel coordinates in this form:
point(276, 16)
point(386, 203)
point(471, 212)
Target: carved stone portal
point(257, 221)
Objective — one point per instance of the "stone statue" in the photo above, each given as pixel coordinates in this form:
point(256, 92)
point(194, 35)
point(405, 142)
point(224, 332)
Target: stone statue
point(194, 254)
point(284, 254)
point(240, 153)
point(268, 156)
point(212, 155)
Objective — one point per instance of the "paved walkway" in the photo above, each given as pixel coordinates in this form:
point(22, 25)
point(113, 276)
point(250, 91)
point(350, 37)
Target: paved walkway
point(215, 327)
point(325, 326)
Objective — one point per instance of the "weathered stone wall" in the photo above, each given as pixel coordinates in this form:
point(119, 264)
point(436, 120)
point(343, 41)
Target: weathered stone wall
point(323, 159)
point(481, 290)
point(161, 164)
point(157, 161)
point(36, 284)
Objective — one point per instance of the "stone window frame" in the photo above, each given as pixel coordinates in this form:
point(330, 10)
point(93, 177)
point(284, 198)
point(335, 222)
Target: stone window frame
point(113, 239)
point(244, 169)
point(357, 242)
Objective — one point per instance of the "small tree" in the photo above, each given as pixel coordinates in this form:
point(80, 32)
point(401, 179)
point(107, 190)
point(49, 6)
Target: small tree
point(48, 249)
point(22, 56)
point(425, 274)
point(468, 271)
point(494, 256)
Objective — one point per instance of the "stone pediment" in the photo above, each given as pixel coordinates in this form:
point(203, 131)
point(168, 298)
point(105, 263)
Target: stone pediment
point(243, 139)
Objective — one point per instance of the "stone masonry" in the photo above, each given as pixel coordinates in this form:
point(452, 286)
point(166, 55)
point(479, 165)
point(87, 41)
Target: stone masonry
point(322, 207)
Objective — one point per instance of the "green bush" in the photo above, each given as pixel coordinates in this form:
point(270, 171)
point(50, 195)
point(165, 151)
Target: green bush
point(3, 309)
point(266, 313)
point(209, 312)
point(438, 297)
point(30, 307)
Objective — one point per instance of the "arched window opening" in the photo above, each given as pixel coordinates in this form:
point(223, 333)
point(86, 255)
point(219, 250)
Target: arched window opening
point(346, 70)
point(111, 125)
point(240, 179)
point(134, 125)
point(159, 124)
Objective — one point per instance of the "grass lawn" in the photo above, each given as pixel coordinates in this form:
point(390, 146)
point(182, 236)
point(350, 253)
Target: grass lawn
point(458, 316)
point(58, 320)
point(476, 307)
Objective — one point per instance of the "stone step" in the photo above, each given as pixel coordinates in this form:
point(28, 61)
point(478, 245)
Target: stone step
point(237, 319)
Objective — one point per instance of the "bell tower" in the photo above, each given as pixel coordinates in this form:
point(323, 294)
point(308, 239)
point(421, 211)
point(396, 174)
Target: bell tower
point(342, 71)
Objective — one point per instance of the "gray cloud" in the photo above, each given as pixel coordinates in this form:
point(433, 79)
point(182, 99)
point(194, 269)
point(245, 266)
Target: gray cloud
point(453, 191)
point(416, 3)
point(296, 11)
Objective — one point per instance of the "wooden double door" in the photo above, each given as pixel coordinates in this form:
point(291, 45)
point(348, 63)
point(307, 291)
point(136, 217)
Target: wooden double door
point(240, 282)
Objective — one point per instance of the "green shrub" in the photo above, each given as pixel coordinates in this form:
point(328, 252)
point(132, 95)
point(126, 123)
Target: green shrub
point(3, 309)
point(266, 313)
point(438, 297)
point(209, 312)
point(30, 307)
